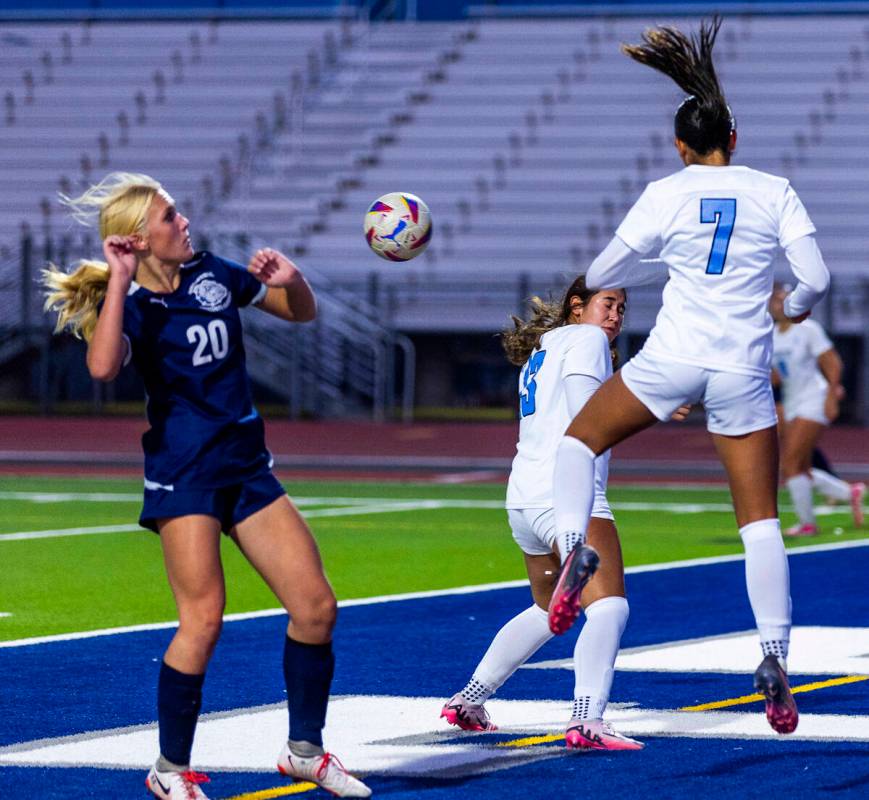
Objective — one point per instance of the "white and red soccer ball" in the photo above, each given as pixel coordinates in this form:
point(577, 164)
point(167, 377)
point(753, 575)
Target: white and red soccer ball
point(398, 226)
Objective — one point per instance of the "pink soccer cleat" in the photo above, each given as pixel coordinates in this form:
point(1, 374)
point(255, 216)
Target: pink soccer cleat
point(595, 734)
point(772, 682)
point(803, 529)
point(581, 563)
point(467, 716)
point(858, 490)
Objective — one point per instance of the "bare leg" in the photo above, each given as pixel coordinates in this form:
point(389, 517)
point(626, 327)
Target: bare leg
point(280, 547)
point(800, 437)
point(611, 415)
point(751, 462)
point(191, 552)
point(799, 440)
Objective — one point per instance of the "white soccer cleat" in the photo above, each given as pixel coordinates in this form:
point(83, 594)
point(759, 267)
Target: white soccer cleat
point(325, 770)
point(176, 785)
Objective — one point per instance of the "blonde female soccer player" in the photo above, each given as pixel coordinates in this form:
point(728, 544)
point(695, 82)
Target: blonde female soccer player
point(174, 314)
point(718, 228)
point(808, 370)
point(565, 351)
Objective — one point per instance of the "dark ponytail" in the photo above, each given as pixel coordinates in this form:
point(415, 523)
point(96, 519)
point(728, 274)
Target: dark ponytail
point(703, 121)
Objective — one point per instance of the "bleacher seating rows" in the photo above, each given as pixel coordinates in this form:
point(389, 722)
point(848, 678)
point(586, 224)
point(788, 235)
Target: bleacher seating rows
point(528, 138)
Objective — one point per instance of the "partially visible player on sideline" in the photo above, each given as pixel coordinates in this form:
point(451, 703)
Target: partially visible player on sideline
point(718, 228)
point(565, 352)
point(175, 314)
point(809, 371)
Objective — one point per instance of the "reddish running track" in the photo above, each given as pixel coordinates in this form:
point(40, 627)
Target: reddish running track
point(402, 451)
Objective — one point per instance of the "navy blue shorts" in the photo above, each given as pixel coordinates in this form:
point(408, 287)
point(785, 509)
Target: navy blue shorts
point(229, 504)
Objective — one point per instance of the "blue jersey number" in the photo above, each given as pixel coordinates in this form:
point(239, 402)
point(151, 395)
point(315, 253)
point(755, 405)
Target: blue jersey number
point(721, 211)
point(527, 403)
point(782, 367)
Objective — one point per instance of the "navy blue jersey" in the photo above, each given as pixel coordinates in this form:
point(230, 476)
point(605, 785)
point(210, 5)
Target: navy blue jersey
point(187, 346)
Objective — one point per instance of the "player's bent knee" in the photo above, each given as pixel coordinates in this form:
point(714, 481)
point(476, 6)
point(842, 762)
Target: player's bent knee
point(202, 629)
point(317, 615)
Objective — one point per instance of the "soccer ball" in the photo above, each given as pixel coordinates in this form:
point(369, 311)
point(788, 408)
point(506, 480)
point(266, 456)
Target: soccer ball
point(398, 226)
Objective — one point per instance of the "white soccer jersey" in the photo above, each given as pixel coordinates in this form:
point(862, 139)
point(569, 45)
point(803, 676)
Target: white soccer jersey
point(565, 351)
point(718, 229)
point(795, 357)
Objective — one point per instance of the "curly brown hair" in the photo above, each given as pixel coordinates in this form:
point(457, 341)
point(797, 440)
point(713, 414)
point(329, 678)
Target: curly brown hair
point(525, 335)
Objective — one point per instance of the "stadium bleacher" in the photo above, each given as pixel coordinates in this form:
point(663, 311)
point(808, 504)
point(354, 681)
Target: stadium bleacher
point(528, 138)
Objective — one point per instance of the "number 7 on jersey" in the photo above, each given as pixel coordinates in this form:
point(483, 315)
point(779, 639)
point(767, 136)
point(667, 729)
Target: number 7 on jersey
point(721, 211)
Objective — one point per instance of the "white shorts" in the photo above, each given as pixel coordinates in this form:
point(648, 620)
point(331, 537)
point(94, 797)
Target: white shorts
point(809, 405)
point(735, 404)
point(534, 528)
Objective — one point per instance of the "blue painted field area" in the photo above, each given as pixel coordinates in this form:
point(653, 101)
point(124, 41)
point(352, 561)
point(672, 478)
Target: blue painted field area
point(426, 648)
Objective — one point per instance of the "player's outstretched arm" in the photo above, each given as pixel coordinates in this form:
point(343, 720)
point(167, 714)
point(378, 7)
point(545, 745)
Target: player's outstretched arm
point(812, 275)
point(289, 296)
point(107, 347)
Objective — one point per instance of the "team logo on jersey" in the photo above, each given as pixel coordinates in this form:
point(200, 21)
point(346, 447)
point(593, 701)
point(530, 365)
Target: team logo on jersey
point(212, 296)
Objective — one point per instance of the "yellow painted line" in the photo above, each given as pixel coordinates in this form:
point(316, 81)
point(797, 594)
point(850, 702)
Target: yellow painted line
point(753, 698)
point(528, 741)
point(280, 791)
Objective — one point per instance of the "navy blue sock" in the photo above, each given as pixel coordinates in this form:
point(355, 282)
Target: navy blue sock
point(819, 461)
point(308, 670)
point(179, 698)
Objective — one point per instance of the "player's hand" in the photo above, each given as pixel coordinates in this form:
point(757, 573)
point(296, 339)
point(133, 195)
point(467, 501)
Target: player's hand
point(121, 257)
point(681, 413)
point(831, 403)
point(273, 268)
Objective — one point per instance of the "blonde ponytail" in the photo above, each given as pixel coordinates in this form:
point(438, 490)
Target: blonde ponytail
point(118, 205)
point(76, 296)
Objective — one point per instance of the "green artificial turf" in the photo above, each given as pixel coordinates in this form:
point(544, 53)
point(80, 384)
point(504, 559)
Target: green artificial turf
point(63, 584)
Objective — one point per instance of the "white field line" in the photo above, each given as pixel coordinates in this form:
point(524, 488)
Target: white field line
point(354, 506)
point(391, 598)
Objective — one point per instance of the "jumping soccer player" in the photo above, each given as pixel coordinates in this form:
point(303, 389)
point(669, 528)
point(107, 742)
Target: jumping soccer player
point(718, 228)
point(175, 314)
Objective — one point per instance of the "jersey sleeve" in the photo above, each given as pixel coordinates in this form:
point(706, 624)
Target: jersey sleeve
point(818, 340)
point(245, 288)
point(587, 353)
point(794, 221)
point(131, 328)
point(640, 229)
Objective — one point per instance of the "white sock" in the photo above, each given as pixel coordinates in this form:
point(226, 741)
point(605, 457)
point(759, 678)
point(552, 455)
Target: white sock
point(800, 487)
point(595, 654)
point(830, 485)
point(767, 578)
point(512, 646)
point(572, 493)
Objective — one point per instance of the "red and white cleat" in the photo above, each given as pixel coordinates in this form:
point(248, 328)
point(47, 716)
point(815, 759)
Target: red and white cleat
point(772, 682)
point(176, 785)
point(858, 490)
point(803, 529)
point(581, 563)
point(467, 716)
point(595, 734)
point(325, 770)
